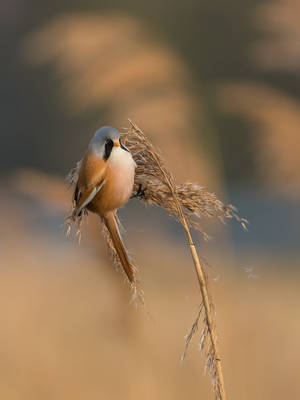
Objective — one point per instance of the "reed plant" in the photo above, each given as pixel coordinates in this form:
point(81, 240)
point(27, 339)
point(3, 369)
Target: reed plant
point(187, 203)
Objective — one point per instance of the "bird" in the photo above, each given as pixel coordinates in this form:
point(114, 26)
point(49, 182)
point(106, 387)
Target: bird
point(105, 183)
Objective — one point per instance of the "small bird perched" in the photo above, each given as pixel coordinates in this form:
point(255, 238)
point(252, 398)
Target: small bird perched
point(105, 183)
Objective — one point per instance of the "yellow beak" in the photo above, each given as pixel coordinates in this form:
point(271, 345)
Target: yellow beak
point(117, 144)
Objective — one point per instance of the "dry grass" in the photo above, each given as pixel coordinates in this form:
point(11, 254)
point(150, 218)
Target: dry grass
point(154, 184)
point(151, 168)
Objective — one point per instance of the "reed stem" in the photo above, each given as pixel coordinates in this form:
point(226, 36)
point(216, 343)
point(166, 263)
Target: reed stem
point(208, 314)
point(199, 273)
point(204, 292)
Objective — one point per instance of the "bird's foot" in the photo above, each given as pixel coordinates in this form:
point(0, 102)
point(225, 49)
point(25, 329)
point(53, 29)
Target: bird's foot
point(140, 193)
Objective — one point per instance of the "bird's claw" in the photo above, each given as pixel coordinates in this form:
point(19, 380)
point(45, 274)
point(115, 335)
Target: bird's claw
point(139, 193)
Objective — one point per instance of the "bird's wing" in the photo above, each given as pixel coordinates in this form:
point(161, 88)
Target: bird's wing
point(91, 178)
point(82, 199)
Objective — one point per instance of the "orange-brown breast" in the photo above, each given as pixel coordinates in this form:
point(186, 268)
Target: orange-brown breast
point(114, 193)
point(118, 175)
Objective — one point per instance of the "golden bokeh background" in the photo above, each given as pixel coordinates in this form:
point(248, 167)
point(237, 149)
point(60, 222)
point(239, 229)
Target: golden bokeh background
point(216, 88)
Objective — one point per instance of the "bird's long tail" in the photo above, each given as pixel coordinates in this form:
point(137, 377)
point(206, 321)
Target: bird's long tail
point(112, 227)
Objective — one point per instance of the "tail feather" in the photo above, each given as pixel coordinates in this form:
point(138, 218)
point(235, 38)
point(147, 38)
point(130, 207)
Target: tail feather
point(112, 227)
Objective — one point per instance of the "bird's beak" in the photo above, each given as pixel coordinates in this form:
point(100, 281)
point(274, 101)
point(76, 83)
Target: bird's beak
point(117, 144)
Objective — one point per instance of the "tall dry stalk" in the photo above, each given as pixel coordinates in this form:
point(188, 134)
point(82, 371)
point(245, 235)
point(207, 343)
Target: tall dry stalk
point(187, 203)
point(216, 366)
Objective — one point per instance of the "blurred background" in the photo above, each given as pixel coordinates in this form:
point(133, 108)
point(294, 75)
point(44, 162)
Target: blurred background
point(216, 87)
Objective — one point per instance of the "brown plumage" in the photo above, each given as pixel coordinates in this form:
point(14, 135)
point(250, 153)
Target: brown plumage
point(105, 183)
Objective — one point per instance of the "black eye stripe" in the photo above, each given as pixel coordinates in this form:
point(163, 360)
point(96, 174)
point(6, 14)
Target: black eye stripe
point(109, 144)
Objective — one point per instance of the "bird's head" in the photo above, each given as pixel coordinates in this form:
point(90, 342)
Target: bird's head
point(104, 141)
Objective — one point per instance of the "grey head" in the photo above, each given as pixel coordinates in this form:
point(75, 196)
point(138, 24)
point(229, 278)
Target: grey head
point(103, 141)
